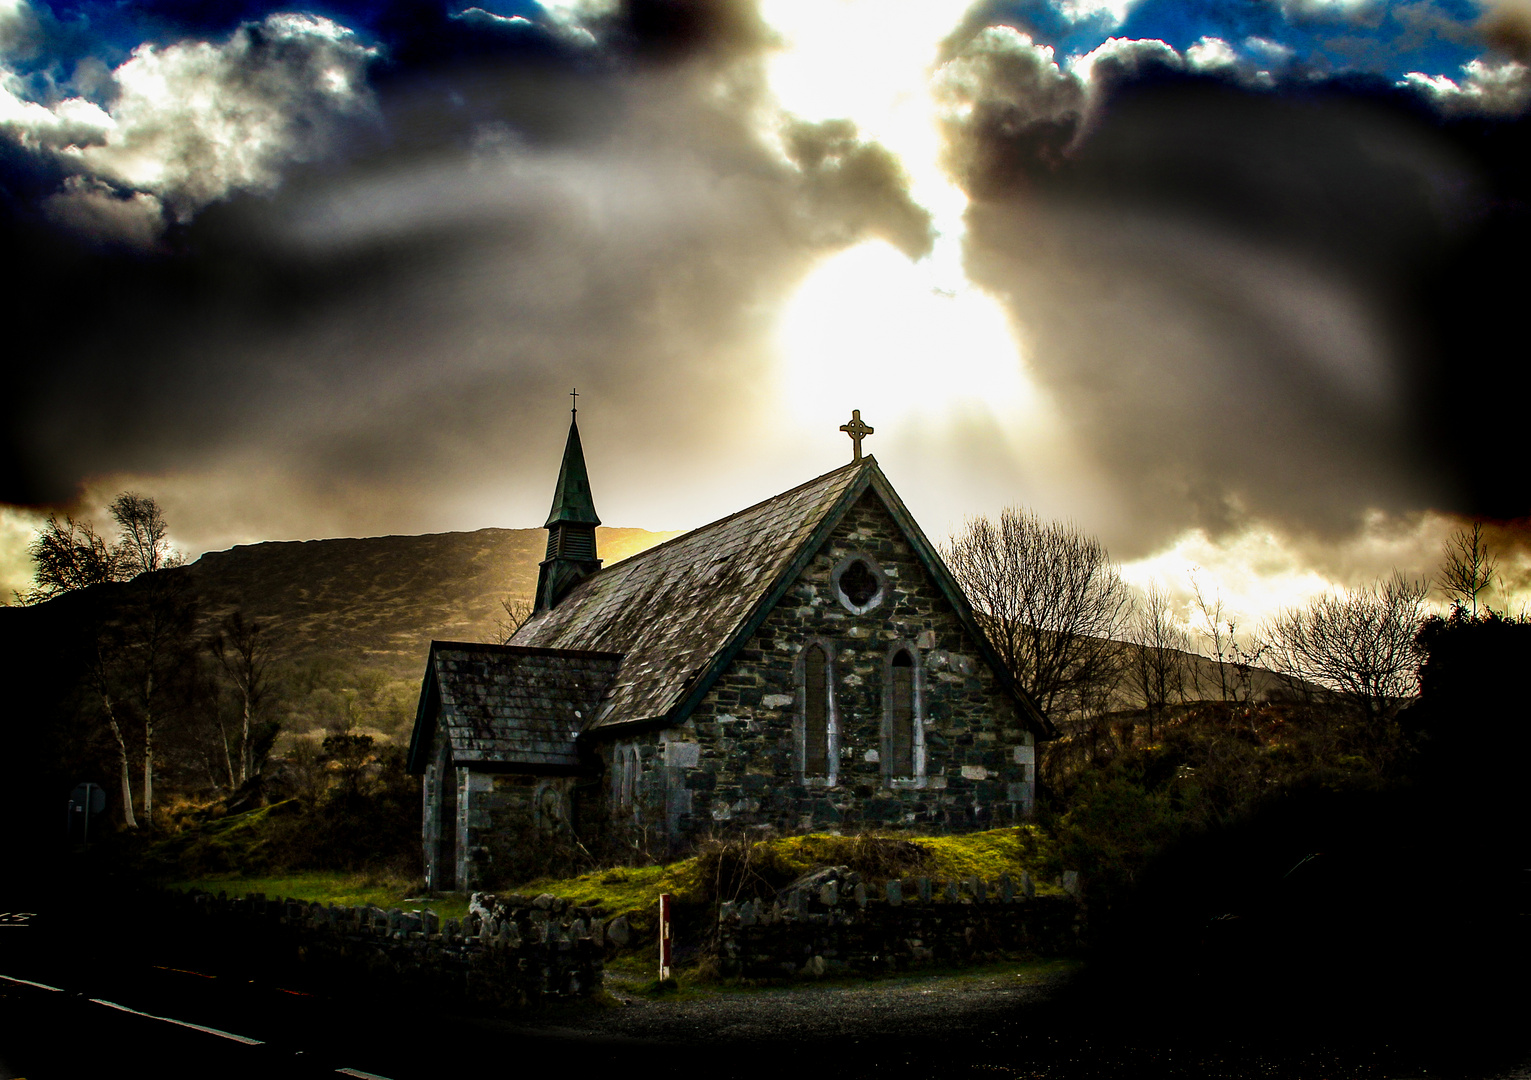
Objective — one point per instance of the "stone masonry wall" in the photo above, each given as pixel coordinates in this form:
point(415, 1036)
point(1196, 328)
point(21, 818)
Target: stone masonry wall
point(508, 951)
point(735, 764)
point(833, 923)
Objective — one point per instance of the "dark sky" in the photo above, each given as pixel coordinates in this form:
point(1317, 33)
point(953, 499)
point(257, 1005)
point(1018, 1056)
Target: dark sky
point(330, 269)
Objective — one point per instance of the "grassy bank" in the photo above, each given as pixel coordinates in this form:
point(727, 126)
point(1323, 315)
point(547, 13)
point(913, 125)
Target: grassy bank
point(718, 871)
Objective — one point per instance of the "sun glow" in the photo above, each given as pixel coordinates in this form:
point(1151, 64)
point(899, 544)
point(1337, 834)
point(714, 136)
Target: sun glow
point(869, 328)
point(872, 62)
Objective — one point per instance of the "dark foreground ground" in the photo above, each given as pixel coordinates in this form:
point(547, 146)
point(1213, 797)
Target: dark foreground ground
point(79, 998)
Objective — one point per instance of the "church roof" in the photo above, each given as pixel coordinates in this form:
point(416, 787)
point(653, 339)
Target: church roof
point(572, 502)
point(506, 705)
point(679, 612)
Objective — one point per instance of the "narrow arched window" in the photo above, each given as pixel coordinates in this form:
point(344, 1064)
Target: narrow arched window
point(901, 715)
point(815, 712)
point(625, 769)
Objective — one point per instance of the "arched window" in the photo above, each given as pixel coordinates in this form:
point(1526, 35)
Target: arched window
point(624, 776)
point(903, 719)
point(816, 712)
point(901, 715)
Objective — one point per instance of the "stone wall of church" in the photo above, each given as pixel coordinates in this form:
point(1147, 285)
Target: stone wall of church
point(737, 763)
point(485, 828)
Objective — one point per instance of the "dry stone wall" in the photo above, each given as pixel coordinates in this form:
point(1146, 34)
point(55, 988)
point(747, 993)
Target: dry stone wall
point(508, 951)
point(833, 922)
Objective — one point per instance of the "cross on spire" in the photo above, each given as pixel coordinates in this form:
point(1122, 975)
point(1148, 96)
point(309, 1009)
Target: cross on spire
point(575, 395)
point(857, 431)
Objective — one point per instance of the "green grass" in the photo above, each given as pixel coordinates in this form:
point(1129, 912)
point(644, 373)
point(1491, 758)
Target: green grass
point(989, 854)
point(622, 890)
point(332, 887)
point(232, 844)
point(986, 855)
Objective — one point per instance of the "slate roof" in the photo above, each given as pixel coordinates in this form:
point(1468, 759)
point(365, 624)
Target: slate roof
point(680, 611)
point(507, 705)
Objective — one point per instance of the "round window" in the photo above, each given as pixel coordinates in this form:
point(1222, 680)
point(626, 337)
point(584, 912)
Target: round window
point(859, 582)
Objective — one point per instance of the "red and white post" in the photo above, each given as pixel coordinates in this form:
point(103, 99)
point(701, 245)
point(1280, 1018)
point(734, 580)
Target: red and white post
point(665, 940)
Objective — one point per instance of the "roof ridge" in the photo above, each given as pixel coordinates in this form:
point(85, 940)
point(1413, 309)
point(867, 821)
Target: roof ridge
point(526, 650)
point(867, 460)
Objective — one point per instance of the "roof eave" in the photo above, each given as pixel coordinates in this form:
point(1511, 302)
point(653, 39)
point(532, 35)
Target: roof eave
point(425, 717)
point(1041, 726)
point(714, 669)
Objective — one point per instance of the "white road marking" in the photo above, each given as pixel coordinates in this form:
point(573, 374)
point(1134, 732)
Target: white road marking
point(359, 1073)
point(183, 1023)
point(29, 982)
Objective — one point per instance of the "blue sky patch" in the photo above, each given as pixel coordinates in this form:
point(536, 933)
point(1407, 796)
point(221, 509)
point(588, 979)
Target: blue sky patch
point(1389, 39)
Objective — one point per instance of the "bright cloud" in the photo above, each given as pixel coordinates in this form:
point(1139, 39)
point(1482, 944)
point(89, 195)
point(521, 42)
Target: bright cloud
point(1496, 88)
point(192, 122)
point(18, 528)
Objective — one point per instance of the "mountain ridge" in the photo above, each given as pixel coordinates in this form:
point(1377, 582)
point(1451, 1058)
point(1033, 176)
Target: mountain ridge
point(382, 599)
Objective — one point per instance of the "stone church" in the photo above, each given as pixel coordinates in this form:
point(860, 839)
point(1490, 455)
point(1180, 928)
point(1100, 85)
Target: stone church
point(807, 663)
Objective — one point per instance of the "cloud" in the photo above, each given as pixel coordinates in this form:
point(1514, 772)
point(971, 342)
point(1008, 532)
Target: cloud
point(380, 342)
point(1212, 54)
point(1231, 291)
point(854, 189)
point(1487, 88)
point(18, 528)
point(1362, 12)
point(21, 31)
point(72, 123)
point(187, 124)
point(1011, 110)
point(195, 121)
point(1507, 23)
point(1119, 60)
point(93, 208)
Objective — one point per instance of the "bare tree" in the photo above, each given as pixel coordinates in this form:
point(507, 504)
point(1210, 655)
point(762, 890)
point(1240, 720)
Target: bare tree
point(143, 546)
point(68, 555)
point(1157, 666)
point(1217, 632)
point(1468, 569)
point(1360, 644)
point(1049, 599)
point(517, 610)
point(243, 653)
point(156, 622)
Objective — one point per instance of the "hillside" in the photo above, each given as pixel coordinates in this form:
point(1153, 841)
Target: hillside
point(379, 601)
point(349, 621)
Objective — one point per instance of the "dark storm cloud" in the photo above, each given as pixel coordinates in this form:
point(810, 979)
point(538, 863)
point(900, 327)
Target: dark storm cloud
point(521, 205)
point(1276, 303)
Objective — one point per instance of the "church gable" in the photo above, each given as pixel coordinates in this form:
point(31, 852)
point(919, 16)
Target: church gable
point(863, 699)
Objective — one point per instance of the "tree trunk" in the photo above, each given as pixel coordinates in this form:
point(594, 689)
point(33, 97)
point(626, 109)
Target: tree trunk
point(122, 753)
point(244, 744)
point(149, 751)
point(228, 761)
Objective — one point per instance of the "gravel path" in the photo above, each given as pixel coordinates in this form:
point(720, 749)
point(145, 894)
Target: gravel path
point(942, 1005)
point(1030, 1022)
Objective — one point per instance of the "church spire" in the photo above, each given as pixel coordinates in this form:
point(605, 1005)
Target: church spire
point(571, 527)
point(572, 503)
